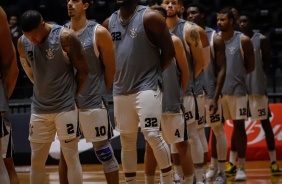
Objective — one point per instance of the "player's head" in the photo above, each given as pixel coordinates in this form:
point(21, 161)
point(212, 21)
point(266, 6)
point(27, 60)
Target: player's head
point(78, 7)
point(33, 26)
point(195, 12)
point(172, 7)
point(245, 21)
point(225, 19)
point(160, 9)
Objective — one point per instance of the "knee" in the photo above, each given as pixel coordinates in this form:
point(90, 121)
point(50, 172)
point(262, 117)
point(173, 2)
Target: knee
point(153, 138)
point(105, 155)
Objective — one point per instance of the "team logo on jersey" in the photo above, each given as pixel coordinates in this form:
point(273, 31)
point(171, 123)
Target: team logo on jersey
point(232, 50)
point(133, 33)
point(50, 53)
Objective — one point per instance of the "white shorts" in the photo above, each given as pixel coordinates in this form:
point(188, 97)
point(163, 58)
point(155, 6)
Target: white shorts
point(7, 146)
point(201, 99)
point(235, 107)
point(95, 124)
point(43, 127)
point(144, 108)
point(215, 119)
point(173, 127)
point(258, 107)
point(189, 103)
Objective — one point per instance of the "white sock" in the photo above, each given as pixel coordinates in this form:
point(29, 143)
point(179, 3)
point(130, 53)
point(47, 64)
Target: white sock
point(149, 179)
point(241, 163)
point(167, 177)
point(272, 155)
point(232, 157)
point(188, 179)
point(199, 174)
point(213, 163)
point(130, 180)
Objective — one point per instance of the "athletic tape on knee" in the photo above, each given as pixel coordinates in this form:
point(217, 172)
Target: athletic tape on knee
point(105, 155)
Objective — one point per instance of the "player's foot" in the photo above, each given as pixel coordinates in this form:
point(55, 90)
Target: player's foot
point(230, 169)
point(211, 172)
point(275, 169)
point(220, 178)
point(241, 175)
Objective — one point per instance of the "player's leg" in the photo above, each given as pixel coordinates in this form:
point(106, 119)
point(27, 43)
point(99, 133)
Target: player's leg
point(97, 129)
point(149, 108)
point(8, 151)
point(126, 120)
point(68, 131)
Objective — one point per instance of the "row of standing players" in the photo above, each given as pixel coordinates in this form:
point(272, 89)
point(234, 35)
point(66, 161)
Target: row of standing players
point(71, 69)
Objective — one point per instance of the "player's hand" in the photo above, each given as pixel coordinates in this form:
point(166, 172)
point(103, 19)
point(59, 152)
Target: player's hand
point(213, 107)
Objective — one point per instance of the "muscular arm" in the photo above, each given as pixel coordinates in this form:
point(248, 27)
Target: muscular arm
point(106, 23)
point(72, 45)
point(249, 55)
point(106, 49)
point(8, 65)
point(205, 43)
point(192, 37)
point(266, 52)
point(25, 64)
point(220, 58)
point(158, 33)
point(181, 62)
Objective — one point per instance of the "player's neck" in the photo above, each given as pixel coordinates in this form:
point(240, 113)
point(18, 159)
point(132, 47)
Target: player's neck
point(78, 24)
point(127, 12)
point(227, 35)
point(171, 22)
point(249, 33)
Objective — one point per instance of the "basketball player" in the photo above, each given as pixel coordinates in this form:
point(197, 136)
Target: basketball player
point(49, 54)
point(257, 85)
point(93, 115)
point(197, 50)
point(9, 74)
point(240, 61)
point(174, 130)
point(214, 76)
point(143, 49)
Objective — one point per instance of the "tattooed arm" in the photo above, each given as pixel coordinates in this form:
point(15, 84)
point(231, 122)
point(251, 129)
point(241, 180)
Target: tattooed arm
point(193, 40)
point(75, 51)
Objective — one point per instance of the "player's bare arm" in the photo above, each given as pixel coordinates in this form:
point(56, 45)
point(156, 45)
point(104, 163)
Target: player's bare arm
point(181, 61)
point(205, 43)
point(265, 52)
point(220, 58)
point(72, 45)
point(106, 49)
point(24, 62)
point(158, 33)
point(193, 39)
point(8, 65)
point(106, 23)
point(249, 55)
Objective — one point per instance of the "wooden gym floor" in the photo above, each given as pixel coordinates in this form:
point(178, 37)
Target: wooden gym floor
point(258, 172)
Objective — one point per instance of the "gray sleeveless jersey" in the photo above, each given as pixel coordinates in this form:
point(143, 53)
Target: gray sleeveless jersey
point(193, 84)
point(210, 73)
point(172, 89)
point(256, 80)
point(137, 59)
point(95, 88)
point(235, 80)
point(4, 106)
point(54, 82)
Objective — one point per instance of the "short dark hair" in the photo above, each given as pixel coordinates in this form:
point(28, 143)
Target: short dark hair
point(160, 9)
point(247, 14)
point(30, 20)
point(228, 12)
point(200, 7)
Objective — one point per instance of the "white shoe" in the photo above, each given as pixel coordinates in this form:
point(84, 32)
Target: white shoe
point(177, 179)
point(211, 172)
point(240, 175)
point(220, 178)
